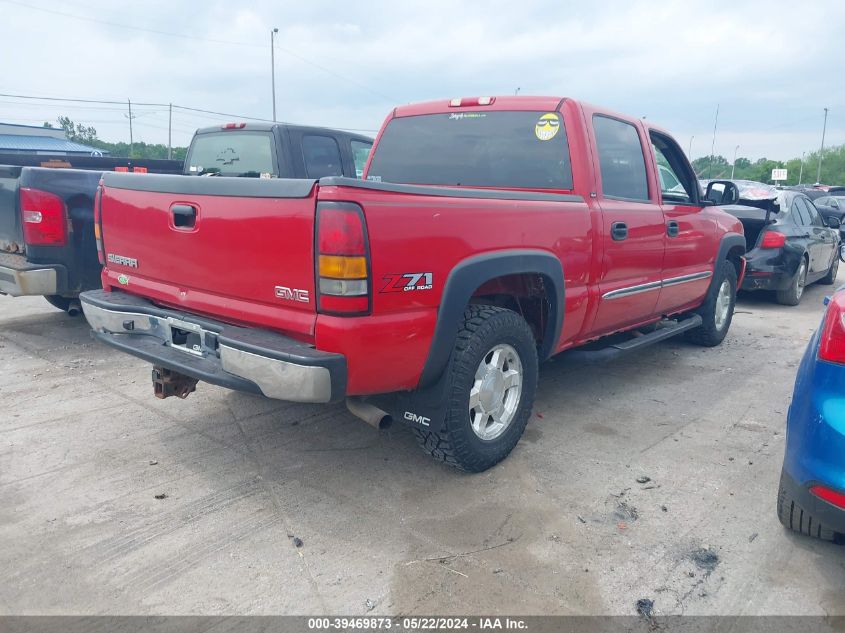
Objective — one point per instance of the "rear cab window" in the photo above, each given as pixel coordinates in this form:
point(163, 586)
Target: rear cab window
point(235, 153)
point(496, 149)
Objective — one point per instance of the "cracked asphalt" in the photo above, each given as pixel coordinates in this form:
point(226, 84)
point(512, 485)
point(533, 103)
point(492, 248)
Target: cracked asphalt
point(653, 477)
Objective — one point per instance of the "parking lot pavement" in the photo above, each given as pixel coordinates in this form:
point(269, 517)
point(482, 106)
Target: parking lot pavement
point(282, 508)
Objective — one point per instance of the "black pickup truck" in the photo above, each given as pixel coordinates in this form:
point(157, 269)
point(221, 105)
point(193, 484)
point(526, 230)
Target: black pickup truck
point(47, 244)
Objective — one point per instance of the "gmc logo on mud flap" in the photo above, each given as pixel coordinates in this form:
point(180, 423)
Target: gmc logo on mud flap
point(407, 282)
point(292, 294)
point(419, 419)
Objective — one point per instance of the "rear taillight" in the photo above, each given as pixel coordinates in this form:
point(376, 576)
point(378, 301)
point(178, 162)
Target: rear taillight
point(98, 226)
point(834, 497)
point(44, 218)
point(773, 239)
point(832, 340)
point(343, 263)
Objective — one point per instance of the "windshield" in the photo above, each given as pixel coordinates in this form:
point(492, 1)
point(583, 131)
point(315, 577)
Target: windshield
point(520, 150)
point(232, 154)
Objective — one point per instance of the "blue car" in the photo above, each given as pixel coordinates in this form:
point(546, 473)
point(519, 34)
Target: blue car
point(811, 499)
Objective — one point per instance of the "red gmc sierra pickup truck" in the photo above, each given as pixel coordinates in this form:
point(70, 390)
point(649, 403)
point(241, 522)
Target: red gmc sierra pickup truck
point(487, 235)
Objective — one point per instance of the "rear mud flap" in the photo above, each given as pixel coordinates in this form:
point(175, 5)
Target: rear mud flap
point(424, 408)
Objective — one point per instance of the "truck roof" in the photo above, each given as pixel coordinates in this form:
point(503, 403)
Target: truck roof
point(268, 127)
point(507, 102)
point(510, 102)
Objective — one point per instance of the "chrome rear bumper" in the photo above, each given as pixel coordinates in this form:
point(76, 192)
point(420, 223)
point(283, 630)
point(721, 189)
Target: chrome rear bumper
point(246, 359)
point(19, 278)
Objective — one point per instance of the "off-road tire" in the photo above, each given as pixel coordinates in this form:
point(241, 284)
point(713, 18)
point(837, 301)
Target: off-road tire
point(830, 278)
point(456, 443)
point(792, 295)
point(793, 517)
point(709, 334)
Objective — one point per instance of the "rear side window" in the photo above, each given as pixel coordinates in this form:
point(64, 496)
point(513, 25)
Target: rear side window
point(812, 212)
point(800, 212)
point(322, 156)
point(236, 153)
point(621, 159)
point(360, 154)
point(503, 149)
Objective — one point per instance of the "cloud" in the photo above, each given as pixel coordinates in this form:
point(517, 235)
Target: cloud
point(771, 71)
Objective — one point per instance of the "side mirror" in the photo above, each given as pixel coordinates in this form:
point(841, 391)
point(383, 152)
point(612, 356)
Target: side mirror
point(722, 192)
point(834, 222)
point(842, 253)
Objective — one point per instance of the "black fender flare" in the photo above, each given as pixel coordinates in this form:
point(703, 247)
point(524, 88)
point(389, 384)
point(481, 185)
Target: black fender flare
point(729, 242)
point(467, 276)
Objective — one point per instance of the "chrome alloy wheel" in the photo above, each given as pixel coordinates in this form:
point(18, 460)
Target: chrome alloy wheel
point(723, 305)
point(495, 394)
point(801, 280)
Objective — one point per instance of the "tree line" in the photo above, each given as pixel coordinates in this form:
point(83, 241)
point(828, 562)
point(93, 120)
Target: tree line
point(87, 135)
point(833, 168)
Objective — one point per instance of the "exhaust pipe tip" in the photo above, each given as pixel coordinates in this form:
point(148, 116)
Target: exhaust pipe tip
point(74, 309)
point(372, 415)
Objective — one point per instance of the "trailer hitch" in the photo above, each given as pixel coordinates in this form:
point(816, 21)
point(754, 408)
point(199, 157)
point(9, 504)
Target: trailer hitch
point(167, 382)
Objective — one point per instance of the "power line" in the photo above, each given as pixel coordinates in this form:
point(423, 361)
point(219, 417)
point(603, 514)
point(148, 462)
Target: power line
point(187, 109)
point(133, 28)
point(106, 101)
point(333, 73)
point(199, 39)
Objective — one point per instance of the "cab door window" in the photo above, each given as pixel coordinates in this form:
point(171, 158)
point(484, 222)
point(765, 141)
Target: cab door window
point(322, 156)
point(621, 160)
point(677, 184)
point(360, 154)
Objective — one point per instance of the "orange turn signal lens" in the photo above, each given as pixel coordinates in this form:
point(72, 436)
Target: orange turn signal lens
point(340, 267)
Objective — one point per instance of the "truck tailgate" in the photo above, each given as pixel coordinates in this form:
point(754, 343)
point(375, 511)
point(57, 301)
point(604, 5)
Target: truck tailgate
point(230, 247)
point(11, 233)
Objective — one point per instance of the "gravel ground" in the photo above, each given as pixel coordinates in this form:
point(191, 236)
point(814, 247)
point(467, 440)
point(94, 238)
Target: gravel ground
point(113, 502)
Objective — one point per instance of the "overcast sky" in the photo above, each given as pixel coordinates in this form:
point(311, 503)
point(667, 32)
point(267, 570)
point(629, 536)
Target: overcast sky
point(771, 66)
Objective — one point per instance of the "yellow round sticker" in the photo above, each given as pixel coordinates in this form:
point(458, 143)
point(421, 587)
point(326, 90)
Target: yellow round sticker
point(547, 126)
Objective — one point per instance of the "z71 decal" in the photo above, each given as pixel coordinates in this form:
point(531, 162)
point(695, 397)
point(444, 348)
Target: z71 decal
point(407, 282)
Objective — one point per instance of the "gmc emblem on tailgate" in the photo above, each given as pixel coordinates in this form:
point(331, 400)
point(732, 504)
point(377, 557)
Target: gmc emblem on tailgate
point(292, 294)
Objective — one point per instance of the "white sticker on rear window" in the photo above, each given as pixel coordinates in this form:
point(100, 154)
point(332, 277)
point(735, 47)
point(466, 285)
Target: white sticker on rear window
point(459, 116)
point(193, 168)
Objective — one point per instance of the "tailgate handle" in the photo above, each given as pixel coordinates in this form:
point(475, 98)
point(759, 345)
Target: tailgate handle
point(184, 215)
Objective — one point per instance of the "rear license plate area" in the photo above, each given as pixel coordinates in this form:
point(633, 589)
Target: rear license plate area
point(186, 337)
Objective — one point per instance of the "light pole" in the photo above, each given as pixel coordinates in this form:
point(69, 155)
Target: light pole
point(689, 152)
point(821, 151)
point(516, 92)
point(733, 166)
point(273, 67)
point(801, 171)
point(713, 144)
